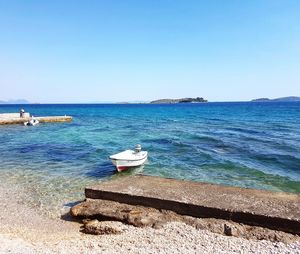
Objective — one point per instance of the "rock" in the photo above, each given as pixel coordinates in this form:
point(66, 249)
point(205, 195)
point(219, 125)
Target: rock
point(96, 227)
point(260, 233)
point(232, 229)
point(109, 210)
point(158, 225)
point(101, 209)
point(144, 219)
point(227, 230)
point(211, 224)
point(140, 216)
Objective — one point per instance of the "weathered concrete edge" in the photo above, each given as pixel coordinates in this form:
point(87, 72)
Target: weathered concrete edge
point(199, 211)
point(55, 119)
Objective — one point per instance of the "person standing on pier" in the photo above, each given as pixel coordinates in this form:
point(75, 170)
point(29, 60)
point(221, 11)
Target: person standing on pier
point(22, 112)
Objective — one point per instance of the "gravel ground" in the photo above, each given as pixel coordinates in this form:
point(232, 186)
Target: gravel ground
point(24, 230)
point(172, 238)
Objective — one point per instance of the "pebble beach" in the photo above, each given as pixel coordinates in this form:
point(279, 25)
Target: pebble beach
point(25, 229)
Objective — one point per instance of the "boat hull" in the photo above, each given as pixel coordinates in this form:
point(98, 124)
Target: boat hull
point(123, 164)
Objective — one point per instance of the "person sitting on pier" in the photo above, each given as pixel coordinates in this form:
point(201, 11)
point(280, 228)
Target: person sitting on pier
point(22, 112)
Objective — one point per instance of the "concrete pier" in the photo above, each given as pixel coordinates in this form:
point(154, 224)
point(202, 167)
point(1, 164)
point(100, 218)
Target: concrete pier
point(274, 210)
point(14, 118)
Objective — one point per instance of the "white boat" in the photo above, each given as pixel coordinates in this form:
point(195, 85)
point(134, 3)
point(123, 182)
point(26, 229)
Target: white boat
point(31, 122)
point(129, 158)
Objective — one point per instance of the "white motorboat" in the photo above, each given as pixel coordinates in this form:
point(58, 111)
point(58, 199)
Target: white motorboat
point(129, 158)
point(31, 122)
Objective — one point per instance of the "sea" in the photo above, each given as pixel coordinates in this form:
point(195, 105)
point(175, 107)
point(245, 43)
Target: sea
point(245, 144)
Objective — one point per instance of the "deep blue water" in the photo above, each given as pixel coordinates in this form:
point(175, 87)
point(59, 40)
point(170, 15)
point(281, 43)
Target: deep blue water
point(253, 145)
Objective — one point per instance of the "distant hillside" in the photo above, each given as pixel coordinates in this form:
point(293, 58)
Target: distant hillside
point(182, 100)
point(282, 99)
point(20, 101)
point(261, 99)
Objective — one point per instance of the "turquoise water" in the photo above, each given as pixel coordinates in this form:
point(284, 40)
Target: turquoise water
point(253, 145)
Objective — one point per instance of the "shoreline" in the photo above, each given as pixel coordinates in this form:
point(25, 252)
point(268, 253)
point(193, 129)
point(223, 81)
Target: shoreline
point(26, 230)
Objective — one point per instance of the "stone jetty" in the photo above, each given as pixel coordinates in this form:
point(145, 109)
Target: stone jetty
point(148, 201)
point(14, 118)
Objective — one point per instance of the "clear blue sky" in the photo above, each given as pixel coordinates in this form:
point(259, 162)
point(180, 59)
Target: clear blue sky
point(93, 51)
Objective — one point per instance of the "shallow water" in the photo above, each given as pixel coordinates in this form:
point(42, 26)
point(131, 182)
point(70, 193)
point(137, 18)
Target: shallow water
point(253, 145)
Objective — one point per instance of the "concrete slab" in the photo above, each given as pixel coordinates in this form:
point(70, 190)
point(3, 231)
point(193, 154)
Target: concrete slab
point(13, 115)
point(275, 210)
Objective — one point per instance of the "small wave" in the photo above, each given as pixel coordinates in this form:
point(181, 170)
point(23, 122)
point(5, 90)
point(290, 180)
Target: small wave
point(31, 148)
point(100, 129)
point(248, 131)
point(279, 161)
point(220, 151)
point(208, 139)
point(160, 141)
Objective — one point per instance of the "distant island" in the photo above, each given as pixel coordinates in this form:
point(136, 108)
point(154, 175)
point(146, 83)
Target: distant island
point(20, 101)
point(182, 100)
point(282, 99)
